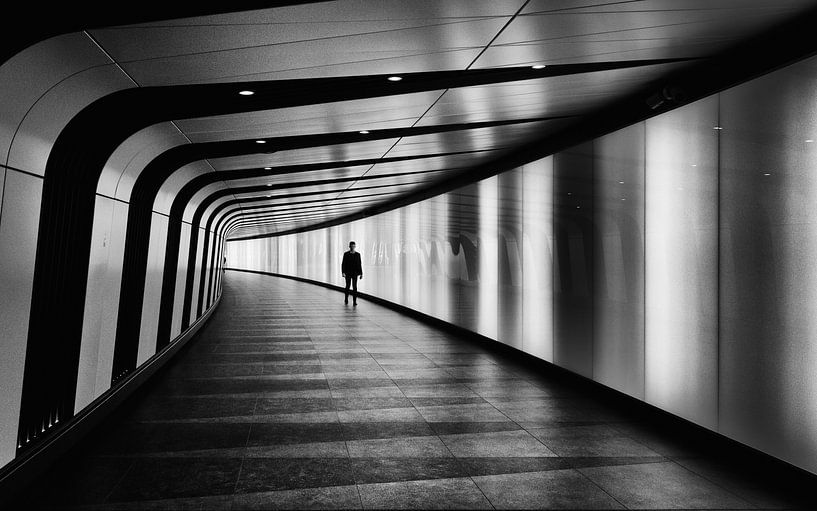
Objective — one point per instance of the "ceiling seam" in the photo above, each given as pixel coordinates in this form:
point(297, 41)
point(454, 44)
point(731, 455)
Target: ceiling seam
point(473, 61)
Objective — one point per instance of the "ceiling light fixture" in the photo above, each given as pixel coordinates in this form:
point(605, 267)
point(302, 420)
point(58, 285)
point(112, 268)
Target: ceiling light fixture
point(538, 66)
point(808, 140)
point(267, 168)
point(621, 182)
point(395, 78)
point(260, 141)
point(716, 128)
point(364, 132)
point(247, 92)
point(766, 174)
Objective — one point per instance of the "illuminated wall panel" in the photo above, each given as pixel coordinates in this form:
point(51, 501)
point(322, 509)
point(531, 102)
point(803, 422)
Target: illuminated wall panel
point(681, 271)
point(768, 280)
point(487, 248)
point(618, 260)
point(573, 259)
point(509, 259)
point(537, 258)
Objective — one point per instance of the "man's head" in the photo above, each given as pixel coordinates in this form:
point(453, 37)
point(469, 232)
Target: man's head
point(352, 246)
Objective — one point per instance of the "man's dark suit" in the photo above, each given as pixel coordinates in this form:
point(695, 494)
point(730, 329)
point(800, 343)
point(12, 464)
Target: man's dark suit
point(351, 268)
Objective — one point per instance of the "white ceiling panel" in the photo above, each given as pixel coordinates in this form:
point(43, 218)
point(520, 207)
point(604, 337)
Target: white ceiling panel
point(365, 114)
point(337, 152)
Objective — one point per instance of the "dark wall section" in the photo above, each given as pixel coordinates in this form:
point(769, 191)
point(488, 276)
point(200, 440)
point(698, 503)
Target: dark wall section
point(574, 239)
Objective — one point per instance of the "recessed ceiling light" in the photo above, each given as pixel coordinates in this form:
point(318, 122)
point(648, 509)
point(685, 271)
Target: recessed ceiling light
point(269, 195)
point(269, 184)
point(767, 174)
point(260, 141)
point(570, 193)
point(808, 141)
point(621, 182)
point(694, 164)
point(716, 128)
point(578, 207)
point(623, 199)
point(364, 132)
point(395, 78)
point(247, 92)
point(267, 168)
point(538, 66)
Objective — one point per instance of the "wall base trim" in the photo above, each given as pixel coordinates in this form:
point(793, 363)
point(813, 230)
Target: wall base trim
point(790, 477)
point(15, 476)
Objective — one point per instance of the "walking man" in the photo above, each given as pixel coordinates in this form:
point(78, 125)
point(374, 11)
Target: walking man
point(351, 269)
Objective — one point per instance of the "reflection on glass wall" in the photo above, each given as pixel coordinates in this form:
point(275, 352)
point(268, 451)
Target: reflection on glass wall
point(670, 260)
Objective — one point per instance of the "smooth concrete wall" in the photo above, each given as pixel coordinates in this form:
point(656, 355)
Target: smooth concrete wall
point(670, 260)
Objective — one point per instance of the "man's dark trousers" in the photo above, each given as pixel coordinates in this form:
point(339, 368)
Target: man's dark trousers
point(351, 280)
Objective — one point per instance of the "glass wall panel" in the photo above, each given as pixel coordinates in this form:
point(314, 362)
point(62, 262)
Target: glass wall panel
point(618, 260)
point(537, 258)
point(573, 266)
point(768, 280)
point(682, 262)
point(463, 227)
point(509, 258)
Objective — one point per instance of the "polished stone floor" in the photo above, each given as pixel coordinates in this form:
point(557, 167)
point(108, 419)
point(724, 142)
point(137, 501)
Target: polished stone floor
point(290, 399)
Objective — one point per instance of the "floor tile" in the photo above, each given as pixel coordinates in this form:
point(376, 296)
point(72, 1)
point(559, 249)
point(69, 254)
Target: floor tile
point(499, 444)
point(155, 478)
point(556, 489)
point(381, 470)
point(477, 412)
point(331, 497)
point(370, 430)
point(264, 474)
point(398, 447)
point(662, 485)
point(381, 415)
point(457, 493)
point(592, 440)
point(274, 434)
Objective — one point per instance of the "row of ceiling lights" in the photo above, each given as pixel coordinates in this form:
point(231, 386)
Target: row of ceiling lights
point(393, 78)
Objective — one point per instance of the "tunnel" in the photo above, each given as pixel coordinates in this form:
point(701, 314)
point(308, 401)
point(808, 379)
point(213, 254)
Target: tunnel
point(583, 242)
